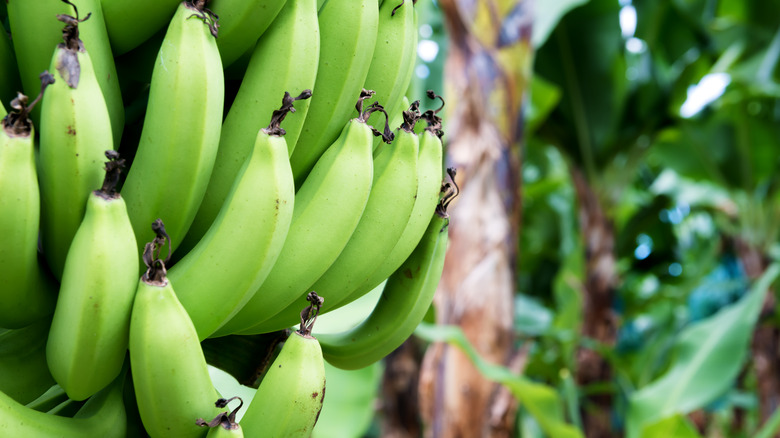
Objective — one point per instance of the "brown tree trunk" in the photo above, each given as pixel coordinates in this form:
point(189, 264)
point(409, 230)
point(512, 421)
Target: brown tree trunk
point(400, 402)
point(598, 319)
point(766, 338)
point(487, 68)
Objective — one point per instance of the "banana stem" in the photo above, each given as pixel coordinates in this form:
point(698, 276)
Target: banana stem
point(113, 169)
point(17, 123)
point(275, 128)
point(309, 313)
point(156, 273)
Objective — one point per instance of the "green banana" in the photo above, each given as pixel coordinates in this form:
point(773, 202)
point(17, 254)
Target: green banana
point(89, 331)
point(289, 398)
point(406, 297)
point(170, 375)
point(75, 132)
point(28, 294)
point(36, 32)
point(224, 425)
point(293, 43)
point(24, 375)
point(131, 22)
point(103, 415)
point(429, 175)
point(181, 130)
point(394, 56)
point(256, 217)
point(327, 209)
point(386, 214)
point(348, 30)
point(241, 22)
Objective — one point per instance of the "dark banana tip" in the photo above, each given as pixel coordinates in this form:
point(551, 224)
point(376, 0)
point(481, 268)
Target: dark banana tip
point(309, 313)
point(275, 128)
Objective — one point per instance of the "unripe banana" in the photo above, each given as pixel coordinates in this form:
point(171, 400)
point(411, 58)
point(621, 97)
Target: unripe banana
point(285, 59)
point(429, 174)
point(28, 294)
point(241, 22)
point(386, 214)
point(181, 129)
point(36, 32)
point(406, 297)
point(24, 374)
point(289, 398)
point(395, 52)
point(75, 133)
point(171, 379)
point(255, 217)
point(348, 30)
point(328, 207)
point(89, 332)
point(131, 22)
point(103, 415)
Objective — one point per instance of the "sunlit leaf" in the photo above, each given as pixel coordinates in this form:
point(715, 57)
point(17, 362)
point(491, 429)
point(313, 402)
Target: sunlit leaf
point(677, 426)
point(708, 355)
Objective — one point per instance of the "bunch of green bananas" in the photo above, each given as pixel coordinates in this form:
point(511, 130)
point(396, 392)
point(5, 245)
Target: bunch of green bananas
point(155, 192)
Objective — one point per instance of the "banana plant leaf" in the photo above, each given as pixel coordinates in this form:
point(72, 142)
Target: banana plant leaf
point(708, 356)
point(677, 426)
point(541, 401)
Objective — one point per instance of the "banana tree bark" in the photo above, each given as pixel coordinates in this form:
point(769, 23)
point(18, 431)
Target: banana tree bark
point(599, 321)
point(487, 69)
point(765, 344)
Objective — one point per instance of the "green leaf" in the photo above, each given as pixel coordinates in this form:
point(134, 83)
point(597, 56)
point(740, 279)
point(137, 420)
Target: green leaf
point(708, 356)
point(676, 426)
point(348, 408)
point(547, 17)
point(540, 400)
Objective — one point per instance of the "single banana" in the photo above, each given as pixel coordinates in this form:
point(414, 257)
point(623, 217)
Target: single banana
point(181, 130)
point(24, 374)
point(429, 175)
point(255, 217)
point(241, 22)
point(75, 133)
point(406, 297)
point(386, 214)
point(395, 52)
point(285, 59)
point(289, 398)
point(131, 22)
point(89, 331)
point(28, 293)
point(327, 209)
point(170, 376)
point(348, 30)
point(224, 425)
point(36, 32)
point(103, 415)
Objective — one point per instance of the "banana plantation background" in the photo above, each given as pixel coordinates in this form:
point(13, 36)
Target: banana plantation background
point(613, 254)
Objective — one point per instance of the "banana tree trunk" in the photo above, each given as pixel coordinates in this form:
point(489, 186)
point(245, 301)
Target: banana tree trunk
point(765, 344)
point(486, 72)
point(598, 320)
